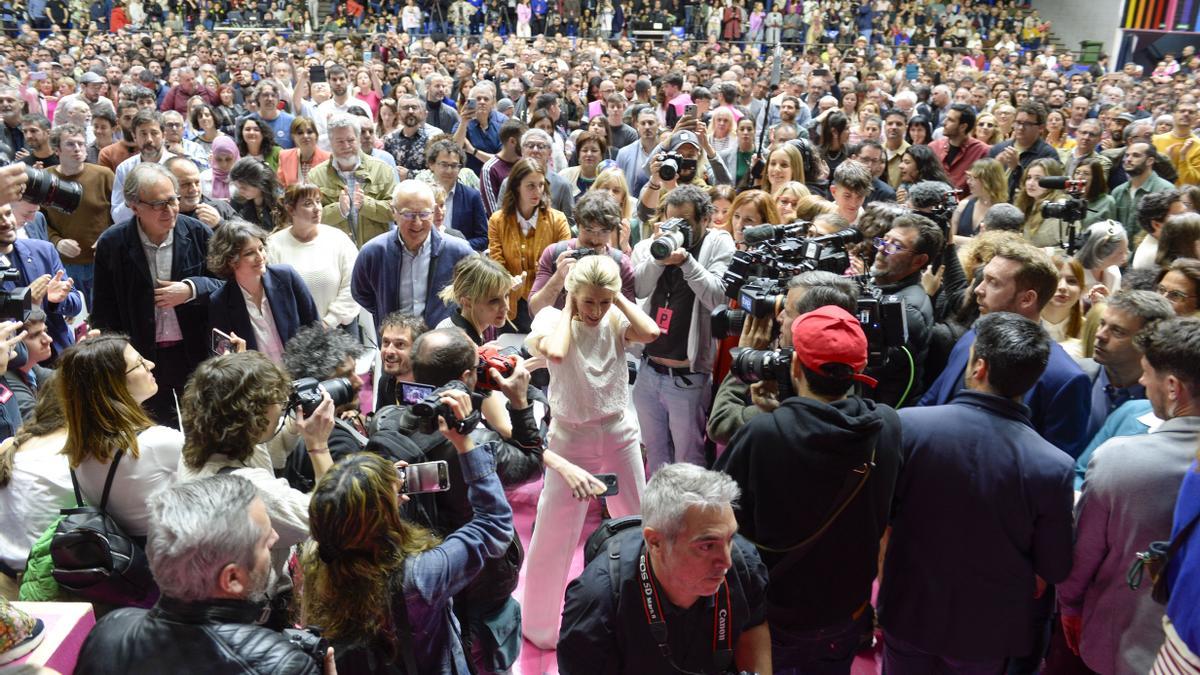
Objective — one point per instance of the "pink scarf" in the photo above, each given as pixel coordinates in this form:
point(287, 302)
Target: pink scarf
point(222, 145)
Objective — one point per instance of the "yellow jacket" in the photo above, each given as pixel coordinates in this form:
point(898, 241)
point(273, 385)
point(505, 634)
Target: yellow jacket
point(1187, 162)
point(519, 253)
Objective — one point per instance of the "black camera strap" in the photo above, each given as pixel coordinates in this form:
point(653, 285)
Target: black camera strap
point(722, 616)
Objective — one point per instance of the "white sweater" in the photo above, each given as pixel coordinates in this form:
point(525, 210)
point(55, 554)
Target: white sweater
point(325, 264)
point(137, 478)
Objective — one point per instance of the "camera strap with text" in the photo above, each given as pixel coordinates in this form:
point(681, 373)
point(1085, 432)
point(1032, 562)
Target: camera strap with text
point(722, 616)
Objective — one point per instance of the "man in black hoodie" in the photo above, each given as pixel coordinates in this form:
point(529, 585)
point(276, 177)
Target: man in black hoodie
point(817, 476)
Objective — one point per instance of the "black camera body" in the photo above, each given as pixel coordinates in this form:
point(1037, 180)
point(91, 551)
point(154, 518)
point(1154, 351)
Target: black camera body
point(306, 393)
point(429, 409)
point(762, 298)
point(764, 365)
point(884, 321)
point(1068, 210)
point(309, 641)
point(14, 304)
point(581, 253)
point(677, 233)
point(669, 163)
point(45, 188)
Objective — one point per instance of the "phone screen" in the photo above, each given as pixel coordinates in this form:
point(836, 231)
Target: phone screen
point(221, 342)
point(411, 392)
point(425, 477)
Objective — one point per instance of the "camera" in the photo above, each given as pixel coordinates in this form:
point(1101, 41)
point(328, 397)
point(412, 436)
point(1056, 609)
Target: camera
point(677, 233)
point(306, 393)
point(1066, 210)
point(884, 323)
point(727, 322)
point(429, 409)
point(581, 253)
point(757, 365)
point(762, 298)
point(14, 304)
point(45, 188)
point(503, 360)
point(309, 641)
point(669, 163)
point(1071, 210)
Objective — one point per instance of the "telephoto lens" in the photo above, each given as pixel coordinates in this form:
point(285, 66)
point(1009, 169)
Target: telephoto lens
point(47, 189)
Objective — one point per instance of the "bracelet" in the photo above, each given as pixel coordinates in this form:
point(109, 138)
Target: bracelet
point(652, 186)
point(319, 451)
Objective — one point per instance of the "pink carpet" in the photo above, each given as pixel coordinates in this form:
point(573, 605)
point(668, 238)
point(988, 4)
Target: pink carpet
point(535, 661)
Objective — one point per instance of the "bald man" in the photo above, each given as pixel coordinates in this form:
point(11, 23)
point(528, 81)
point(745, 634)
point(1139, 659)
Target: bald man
point(403, 270)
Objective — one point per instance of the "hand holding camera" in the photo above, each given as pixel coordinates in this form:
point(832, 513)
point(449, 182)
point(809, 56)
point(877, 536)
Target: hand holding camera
point(316, 426)
point(515, 386)
point(458, 403)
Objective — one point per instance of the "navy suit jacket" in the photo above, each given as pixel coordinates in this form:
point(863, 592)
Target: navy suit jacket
point(35, 258)
point(1059, 403)
point(982, 504)
point(469, 217)
point(292, 306)
point(123, 292)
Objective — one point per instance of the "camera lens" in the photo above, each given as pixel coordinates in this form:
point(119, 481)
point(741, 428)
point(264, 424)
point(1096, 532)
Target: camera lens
point(668, 169)
point(727, 322)
point(46, 188)
point(339, 390)
point(665, 245)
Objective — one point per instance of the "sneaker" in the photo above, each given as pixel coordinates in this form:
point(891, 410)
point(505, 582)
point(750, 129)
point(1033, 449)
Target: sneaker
point(19, 633)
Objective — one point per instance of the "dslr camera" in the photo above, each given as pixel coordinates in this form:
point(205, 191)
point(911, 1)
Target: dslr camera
point(45, 188)
point(309, 641)
point(503, 360)
point(14, 304)
point(581, 253)
point(669, 163)
point(306, 393)
point(429, 409)
point(677, 233)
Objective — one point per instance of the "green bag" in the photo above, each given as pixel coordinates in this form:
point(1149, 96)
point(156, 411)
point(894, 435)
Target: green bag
point(38, 584)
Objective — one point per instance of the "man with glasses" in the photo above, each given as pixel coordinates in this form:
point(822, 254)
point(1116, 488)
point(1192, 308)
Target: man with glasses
point(463, 210)
point(147, 127)
point(1025, 146)
point(1087, 145)
point(407, 144)
point(74, 234)
point(152, 283)
point(179, 146)
point(870, 154)
point(266, 95)
point(403, 270)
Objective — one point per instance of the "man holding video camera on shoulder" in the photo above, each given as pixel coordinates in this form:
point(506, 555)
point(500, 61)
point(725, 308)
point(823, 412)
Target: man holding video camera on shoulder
point(681, 271)
point(737, 401)
point(817, 477)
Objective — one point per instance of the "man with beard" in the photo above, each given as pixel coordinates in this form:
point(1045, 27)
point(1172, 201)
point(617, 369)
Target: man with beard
point(147, 128)
point(37, 152)
point(396, 337)
point(341, 102)
point(633, 157)
point(89, 94)
point(355, 188)
point(10, 111)
point(437, 111)
point(192, 202)
point(210, 551)
point(1138, 163)
point(407, 144)
point(112, 155)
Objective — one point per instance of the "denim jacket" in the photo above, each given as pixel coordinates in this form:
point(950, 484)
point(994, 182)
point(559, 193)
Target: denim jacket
point(433, 577)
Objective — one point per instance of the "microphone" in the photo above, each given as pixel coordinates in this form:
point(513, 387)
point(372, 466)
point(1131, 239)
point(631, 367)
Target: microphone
point(1053, 182)
point(760, 233)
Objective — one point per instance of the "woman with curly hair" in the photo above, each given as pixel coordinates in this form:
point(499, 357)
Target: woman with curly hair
point(263, 304)
point(234, 403)
point(256, 139)
point(363, 548)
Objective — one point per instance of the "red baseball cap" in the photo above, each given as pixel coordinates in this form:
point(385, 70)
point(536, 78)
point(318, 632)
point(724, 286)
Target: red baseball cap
point(830, 334)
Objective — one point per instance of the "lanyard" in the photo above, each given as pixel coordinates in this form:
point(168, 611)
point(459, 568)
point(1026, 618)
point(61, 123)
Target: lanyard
point(722, 638)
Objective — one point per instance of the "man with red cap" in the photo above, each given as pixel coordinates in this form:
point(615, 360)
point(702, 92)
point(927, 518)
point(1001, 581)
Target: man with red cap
point(817, 476)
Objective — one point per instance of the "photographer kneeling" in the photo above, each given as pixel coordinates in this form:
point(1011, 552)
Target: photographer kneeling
point(736, 401)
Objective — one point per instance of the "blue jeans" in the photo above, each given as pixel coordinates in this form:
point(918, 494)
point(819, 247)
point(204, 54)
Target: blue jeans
point(902, 658)
point(823, 651)
point(672, 414)
point(83, 276)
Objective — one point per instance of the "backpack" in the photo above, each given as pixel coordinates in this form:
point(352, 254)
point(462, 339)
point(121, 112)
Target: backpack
point(95, 559)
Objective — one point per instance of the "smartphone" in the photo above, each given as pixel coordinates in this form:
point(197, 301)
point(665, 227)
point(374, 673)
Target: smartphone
point(424, 477)
point(472, 104)
point(221, 342)
point(411, 392)
point(610, 480)
point(316, 73)
point(367, 56)
point(689, 110)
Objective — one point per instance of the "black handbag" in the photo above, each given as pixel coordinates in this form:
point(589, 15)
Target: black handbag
point(95, 559)
point(1155, 559)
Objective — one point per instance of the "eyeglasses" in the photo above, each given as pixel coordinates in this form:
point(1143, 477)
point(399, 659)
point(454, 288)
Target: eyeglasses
point(410, 107)
point(535, 146)
point(141, 363)
point(162, 204)
point(888, 247)
point(448, 166)
point(412, 216)
point(1174, 295)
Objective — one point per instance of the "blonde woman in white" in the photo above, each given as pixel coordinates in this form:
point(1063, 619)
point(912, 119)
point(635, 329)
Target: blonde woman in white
point(584, 345)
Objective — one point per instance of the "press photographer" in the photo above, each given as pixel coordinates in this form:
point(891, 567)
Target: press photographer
point(736, 400)
point(208, 547)
point(821, 470)
point(682, 593)
point(688, 158)
point(904, 251)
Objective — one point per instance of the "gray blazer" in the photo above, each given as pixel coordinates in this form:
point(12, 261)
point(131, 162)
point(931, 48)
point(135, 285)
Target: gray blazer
point(1128, 501)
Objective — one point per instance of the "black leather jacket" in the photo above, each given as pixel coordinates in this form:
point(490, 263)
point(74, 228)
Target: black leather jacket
point(217, 636)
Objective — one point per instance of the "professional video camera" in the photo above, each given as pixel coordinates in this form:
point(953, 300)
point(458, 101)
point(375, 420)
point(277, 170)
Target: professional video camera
point(45, 188)
point(14, 304)
point(1070, 211)
point(776, 254)
point(306, 393)
point(677, 233)
point(884, 322)
point(429, 409)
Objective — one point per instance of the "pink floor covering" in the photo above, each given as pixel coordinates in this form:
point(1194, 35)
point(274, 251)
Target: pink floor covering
point(535, 661)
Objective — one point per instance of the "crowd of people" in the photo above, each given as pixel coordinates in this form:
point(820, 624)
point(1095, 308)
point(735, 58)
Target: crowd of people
point(889, 337)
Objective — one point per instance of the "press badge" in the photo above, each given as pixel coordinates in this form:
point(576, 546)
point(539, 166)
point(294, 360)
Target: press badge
point(5, 394)
point(663, 318)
